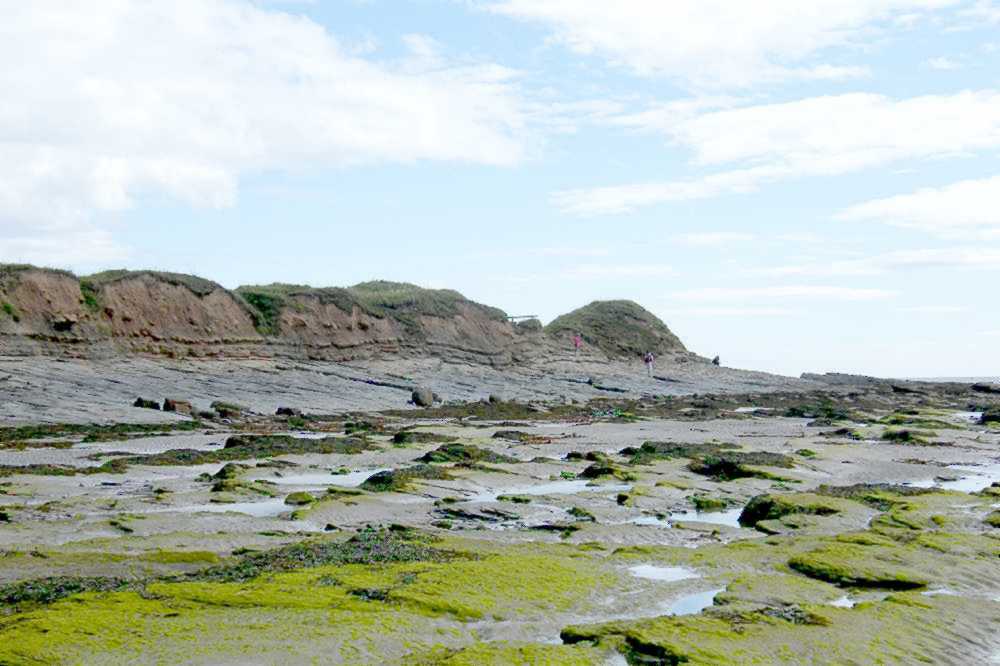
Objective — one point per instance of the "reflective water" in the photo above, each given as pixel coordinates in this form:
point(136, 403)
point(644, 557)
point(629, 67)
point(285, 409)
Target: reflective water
point(568, 487)
point(350, 480)
point(692, 603)
point(664, 574)
point(268, 508)
point(730, 517)
point(974, 478)
point(843, 602)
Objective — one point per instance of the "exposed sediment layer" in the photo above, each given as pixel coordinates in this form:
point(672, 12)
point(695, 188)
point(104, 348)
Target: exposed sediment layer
point(50, 312)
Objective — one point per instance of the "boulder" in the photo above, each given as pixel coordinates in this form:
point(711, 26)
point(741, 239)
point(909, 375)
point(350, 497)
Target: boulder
point(227, 410)
point(288, 411)
point(178, 406)
point(64, 323)
point(299, 499)
point(146, 404)
point(423, 397)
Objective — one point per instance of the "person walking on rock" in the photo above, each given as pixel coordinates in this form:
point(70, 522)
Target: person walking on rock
point(648, 359)
point(577, 343)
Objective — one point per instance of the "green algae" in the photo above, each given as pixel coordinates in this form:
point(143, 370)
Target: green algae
point(605, 469)
point(300, 498)
point(51, 589)
point(251, 447)
point(398, 480)
point(881, 496)
point(704, 503)
point(464, 453)
point(910, 436)
point(504, 653)
point(902, 629)
point(181, 557)
point(95, 432)
point(405, 437)
point(854, 565)
point(652, 451)
point(364, 601)
point(770, 507)
point(739, 465)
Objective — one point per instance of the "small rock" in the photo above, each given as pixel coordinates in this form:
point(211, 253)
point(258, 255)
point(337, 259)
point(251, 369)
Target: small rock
point(64, 323)
point(146, 404)
point(288, 411)
point(494, 398)
point(178, 406)
point(423, 397)
point(299, 499)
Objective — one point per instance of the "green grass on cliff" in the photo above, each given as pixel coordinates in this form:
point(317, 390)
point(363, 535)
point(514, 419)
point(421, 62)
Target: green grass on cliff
point(619, 328)
point(401, 301)
point(194, 284)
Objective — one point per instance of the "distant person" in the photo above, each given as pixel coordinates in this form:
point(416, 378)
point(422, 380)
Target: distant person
point(649, 359)
point(716, 361)
point(577, 343)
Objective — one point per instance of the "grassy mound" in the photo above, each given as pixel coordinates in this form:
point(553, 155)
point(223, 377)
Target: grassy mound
point(401, 301)
point(618, 328)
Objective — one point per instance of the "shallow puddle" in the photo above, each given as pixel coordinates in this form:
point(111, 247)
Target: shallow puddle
point(663, 574)
point(692, 604)
point(843, 602)
point(974, 479)
point(268, 508)
point(349, 480)
point(730, 517)
point(569, 487)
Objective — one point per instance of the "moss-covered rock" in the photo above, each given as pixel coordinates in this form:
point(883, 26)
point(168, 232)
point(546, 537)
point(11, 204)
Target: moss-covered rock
point(771, 507)
point(463, 453)
point(739, 465)
point(300, 498)
point(855, 565)
point(398, 480)
point(652, 451)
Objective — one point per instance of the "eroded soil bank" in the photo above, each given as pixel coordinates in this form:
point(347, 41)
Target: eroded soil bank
point(782, 528)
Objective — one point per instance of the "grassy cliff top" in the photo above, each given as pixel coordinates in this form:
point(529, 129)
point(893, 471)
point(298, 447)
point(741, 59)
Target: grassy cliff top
point(195, 284)
point(397, 300)
point(619, 328)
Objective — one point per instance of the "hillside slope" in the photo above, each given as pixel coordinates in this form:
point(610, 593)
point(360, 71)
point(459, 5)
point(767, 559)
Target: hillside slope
point(51, 312)
point(619, 329)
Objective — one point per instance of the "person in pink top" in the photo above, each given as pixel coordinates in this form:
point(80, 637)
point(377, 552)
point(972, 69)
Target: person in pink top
point(577, 343)
point(648, 359)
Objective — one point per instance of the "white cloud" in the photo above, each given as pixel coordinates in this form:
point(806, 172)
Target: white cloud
point(827, 135)
point(814, 292)
point(610, 271)
point(85, 247)
point(962, 206)
point(718, 42)
point(105, 104)
point(934, 309)
point(721, 312)
point(943, 63)
point(949, 258)
point(713, 238)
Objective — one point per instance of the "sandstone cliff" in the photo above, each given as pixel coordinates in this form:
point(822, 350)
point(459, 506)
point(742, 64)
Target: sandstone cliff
point(51, 312)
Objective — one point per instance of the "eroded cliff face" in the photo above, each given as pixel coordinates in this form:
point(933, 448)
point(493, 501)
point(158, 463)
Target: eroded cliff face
point(51, 312)
point(55, 313)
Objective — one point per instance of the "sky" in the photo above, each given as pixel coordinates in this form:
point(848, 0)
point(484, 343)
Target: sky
point(794, 186)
